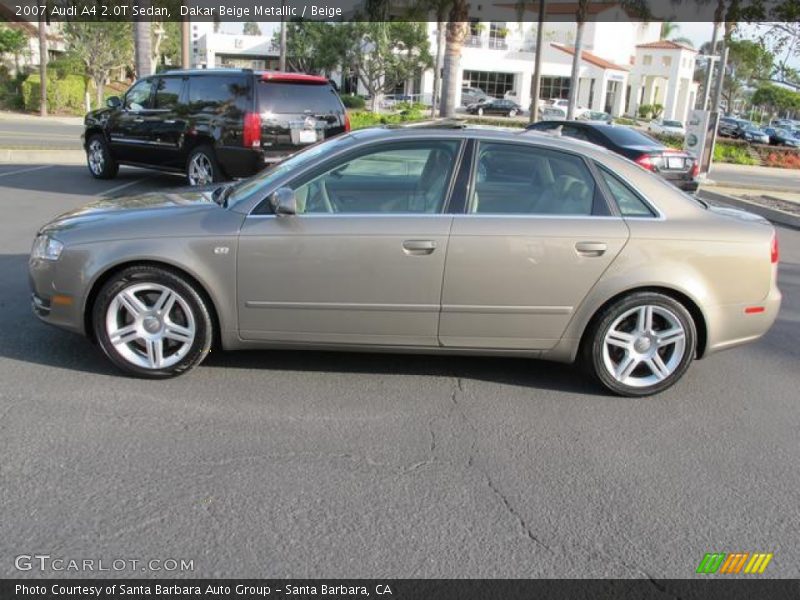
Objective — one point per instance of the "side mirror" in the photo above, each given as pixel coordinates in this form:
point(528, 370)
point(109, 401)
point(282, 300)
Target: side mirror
point(283, 202)
point(113, 102)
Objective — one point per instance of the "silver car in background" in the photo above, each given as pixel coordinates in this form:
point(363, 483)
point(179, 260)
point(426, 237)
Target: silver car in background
point(453, 241)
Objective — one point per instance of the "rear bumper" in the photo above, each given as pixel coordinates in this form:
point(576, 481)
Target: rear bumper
point(729, 325)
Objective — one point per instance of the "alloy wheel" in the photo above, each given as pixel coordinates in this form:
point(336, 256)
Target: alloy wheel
point(96, 157)
point(644, 346)
point(201, 172)
point(150, 325)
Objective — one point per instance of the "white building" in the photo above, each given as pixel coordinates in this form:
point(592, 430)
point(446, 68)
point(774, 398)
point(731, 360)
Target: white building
point(623, 63)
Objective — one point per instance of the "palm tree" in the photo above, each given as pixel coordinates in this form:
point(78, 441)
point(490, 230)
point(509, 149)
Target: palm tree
point(142, 43)
point(441, 8)
point(668, 28)
point(457, 28)
point(43, 66)
point(580, 21)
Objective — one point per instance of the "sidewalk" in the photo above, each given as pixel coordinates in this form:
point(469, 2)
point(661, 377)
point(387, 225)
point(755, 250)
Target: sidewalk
point(754, 178)
point(31, 118)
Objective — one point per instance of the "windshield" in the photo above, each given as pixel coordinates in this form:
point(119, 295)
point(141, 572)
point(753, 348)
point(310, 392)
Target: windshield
point(625, 136)
point(246, 187)
point(280, 97)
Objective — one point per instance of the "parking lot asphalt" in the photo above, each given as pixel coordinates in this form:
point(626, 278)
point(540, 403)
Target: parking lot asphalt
point(292, 464)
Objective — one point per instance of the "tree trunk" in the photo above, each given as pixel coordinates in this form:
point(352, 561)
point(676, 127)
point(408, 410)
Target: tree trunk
point(282, 57)
point(186, 61)
point(723, 61)
point(141, 41)
point(574, 83)
point(99, 86)
point(710, 69)
point(42, 66)
point(536, 82)
point(437, 67)
point(456, 31)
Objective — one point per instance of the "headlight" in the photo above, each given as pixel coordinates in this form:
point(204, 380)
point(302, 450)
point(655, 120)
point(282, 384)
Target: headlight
point(46, 248)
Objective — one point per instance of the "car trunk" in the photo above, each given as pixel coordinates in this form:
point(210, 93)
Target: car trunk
point(296, 112)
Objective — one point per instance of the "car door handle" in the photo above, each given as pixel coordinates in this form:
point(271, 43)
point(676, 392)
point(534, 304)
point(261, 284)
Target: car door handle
point(591, 248)
point(139, 120)
point(419, 247)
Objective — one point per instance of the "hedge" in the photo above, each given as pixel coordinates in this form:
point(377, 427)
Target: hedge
point(351, 101)
point(63, 95)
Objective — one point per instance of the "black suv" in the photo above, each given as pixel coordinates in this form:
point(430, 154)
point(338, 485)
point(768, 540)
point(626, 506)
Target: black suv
point(212, 124)
point(678, 167)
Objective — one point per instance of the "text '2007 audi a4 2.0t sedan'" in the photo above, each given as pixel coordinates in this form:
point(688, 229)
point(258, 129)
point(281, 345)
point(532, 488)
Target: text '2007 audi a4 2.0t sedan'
point(418, 240)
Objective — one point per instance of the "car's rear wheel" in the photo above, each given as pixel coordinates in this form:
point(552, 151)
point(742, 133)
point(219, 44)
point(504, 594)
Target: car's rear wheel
point(479, 112)
point(152, 322)
point(641, 345)
point(512, 112)
point(99, 160)
point(202, 167)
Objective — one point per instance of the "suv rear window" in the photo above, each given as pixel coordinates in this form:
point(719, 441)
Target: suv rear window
point(284, 97)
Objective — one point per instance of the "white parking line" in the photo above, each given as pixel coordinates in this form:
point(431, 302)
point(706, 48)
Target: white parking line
point(25, 170)
point(121, 187)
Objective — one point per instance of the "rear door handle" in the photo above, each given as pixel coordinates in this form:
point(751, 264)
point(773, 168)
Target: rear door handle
point(419, 247)
point(591, 248)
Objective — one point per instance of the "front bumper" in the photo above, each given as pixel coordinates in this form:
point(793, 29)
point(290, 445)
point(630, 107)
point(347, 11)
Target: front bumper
point(55, 297)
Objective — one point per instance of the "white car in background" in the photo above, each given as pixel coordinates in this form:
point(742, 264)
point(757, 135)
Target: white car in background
point(563, 104)
point(666, 127)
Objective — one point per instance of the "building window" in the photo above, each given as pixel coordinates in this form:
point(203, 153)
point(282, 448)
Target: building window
point(494, 84)
point(666, 60)
point(497, 35)
point(647, 60)
point(554, 87)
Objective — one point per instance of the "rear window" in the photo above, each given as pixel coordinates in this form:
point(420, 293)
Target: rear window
point(624, 136)
point(673, 124)
point(281, 97)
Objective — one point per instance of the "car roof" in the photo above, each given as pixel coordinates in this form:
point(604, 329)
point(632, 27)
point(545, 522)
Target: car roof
point(449, 131)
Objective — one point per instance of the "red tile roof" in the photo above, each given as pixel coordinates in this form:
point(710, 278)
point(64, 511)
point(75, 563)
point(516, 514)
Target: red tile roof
point(591, 58)
point(666, 45)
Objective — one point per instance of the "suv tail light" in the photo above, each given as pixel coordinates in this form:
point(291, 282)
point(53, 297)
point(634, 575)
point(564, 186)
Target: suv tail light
point(251, 134)
point(646, 162)
point(346, 121)
point(774, 253)
point(695, 169)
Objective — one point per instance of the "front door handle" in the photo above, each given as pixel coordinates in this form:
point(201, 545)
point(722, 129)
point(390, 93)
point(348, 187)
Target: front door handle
point(419, 247)
point(591, 248)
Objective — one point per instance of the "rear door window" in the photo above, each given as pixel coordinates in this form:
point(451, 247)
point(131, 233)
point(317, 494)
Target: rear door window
point(628, 201)
point(526, 180)
point(285, 97)
point(168, 93)
point(215, 94)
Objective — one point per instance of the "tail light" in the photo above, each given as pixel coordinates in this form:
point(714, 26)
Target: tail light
point(774, 253)
point(695, 170)
point(646, 162)
point(346, 121)
point(251, 134)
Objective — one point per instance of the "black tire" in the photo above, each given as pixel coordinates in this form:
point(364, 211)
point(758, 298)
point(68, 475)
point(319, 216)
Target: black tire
point(206, 156)
point(598, 361)
point(98, 158)
point(189, 355)
point(479, 112)
point(512, 112)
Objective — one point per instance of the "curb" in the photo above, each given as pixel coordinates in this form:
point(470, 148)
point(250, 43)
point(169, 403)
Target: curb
point(42, 156)
point(774, 215)
point(765, 187)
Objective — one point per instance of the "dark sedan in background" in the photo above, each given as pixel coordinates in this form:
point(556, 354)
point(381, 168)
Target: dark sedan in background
point(495, 106)
point(676, 166)
point(782, 137)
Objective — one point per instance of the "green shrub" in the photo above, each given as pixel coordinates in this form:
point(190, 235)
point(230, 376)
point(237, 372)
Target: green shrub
point(645, 110)
point(736, 154)
point(624, 121)
point(353, 101)
point(63, 95)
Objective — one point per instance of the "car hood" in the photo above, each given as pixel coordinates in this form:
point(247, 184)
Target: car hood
point(107, 209)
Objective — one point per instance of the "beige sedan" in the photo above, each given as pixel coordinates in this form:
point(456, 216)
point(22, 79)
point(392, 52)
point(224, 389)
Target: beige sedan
point(419, 240)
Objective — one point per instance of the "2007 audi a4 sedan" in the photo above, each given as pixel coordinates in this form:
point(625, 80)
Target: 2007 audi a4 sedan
point(418, 240)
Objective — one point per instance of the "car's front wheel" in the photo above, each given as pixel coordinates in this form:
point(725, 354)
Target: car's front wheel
point(512, 112)
point(152, 322)
point(479, 112)
point(641, 345)
point(99, 160)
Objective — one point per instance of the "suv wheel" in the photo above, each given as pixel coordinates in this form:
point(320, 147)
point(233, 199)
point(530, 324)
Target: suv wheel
point(641, 345)
point(152, 323)
point(512, 112)
point(479, 112)
point(98, 158)
point(202, 167)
